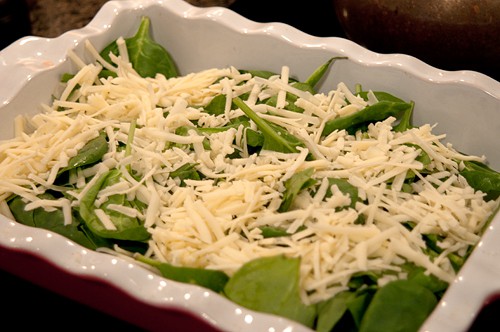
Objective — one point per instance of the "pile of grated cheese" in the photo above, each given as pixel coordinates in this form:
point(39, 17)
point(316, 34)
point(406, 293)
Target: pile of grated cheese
point(214, 223)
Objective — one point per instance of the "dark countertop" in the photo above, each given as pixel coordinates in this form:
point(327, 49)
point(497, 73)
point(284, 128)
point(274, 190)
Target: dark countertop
point(50, 18)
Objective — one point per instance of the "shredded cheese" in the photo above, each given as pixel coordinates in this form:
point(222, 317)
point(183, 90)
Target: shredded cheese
point(214, 222)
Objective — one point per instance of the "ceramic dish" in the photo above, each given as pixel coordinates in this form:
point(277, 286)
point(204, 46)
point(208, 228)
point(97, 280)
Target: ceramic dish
point(466, 105)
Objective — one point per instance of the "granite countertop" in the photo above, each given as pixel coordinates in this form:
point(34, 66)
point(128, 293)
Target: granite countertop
point(51, 18)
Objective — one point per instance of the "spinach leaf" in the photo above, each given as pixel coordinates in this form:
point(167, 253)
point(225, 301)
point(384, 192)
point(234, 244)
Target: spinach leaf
point(260, 73)
point(370, 114)
point(212, 279)
point(271, 284)
point(186, 171)
point(380, 95)
point(345, 187)
point(481, 177)
point(331, 311)
point(309, 85)
point(52, 221)
point(276, 138)
point(275, 231)
point(184, 131)
point(240, 121)
point(217, 105)
point(405, 122)
point(423, 157)
point(418, 275)
point(90, 153)
point(290, 99)
point(17, 207)
point(127, 228)
point(400, 305)
point(318, 74)
point(254, 138)
point(294, 185)
point(362, 279)
point(235, 123)
point(358, 305)
point(146, 56)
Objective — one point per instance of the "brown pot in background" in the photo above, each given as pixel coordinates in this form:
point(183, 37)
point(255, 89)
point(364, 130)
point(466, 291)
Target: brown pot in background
point(448, 34)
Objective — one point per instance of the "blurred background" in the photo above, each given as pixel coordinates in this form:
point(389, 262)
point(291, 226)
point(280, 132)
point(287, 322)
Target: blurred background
point(448, 34)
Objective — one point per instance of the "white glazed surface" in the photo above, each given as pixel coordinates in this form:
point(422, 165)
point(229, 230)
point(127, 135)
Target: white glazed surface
point(464, 104)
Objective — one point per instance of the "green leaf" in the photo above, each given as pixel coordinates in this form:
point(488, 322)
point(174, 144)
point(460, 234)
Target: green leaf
point(380, 95)
point(332, 310)
point(290, 102)
point(481, 177)
point(294, 185)
point(309, 85)
point(318, 74)
point(275, 231)
point(186, 171)
point(127, 228)
point(66, 77)
point(363, 279)
point(271, 285)
point(370, 114)
point(358, 304)
point(211, 279)
point(147, 57)
point(254, 138)
point(275, 138)
point(400, 305)
point(423, 157)
point(405, 122)
point(345, 187)
point(259, 73)
point(90, 153)
point(217, 105)
point(51, 220)
point(418, 275)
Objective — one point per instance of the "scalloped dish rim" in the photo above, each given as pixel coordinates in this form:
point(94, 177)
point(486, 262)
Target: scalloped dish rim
point(23, 61)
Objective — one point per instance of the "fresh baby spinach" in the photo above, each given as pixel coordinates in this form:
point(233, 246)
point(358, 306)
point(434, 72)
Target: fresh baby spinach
point(261, 73)
point(276, 138)
point(365, 305)
point(147, 57)
point(483, 178)
point(125, 227)
point(332, 311)
point(299, 181)
point(186, 171)
point(320, 72)
point(309, 85)
point(345, 187)
point(53, 220)
point(370, 114)
point(217, 105)
point(268, 231)
point(271, 284)
point(211, 279)
point(405, 121)
point(401, 305)
point(90, 153)
point(380, 95)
